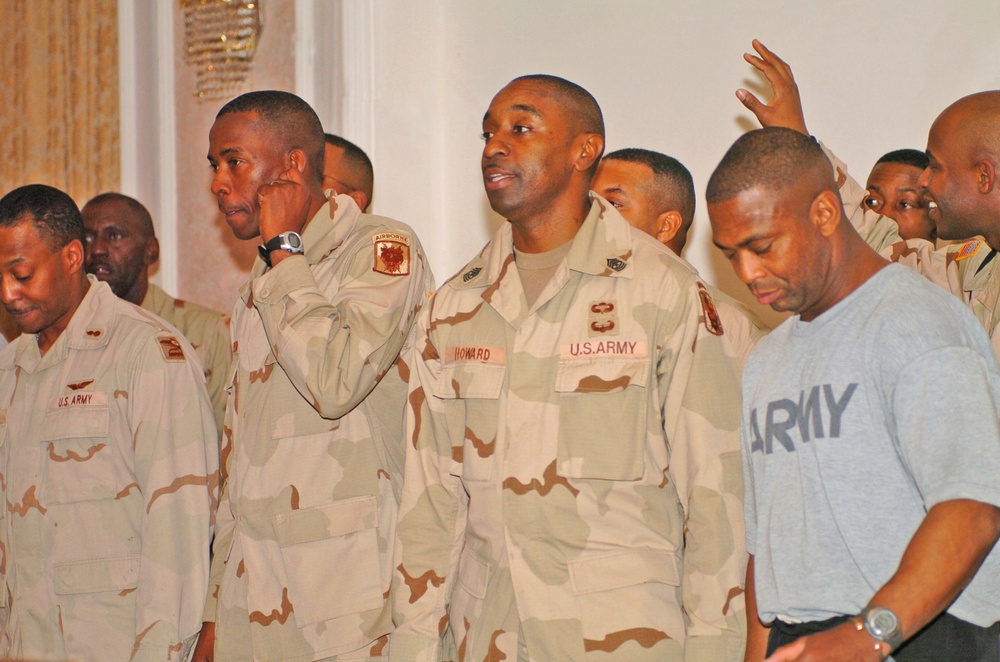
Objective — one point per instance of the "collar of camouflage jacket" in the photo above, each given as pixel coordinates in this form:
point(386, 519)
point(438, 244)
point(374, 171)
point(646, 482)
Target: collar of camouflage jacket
point(90, 327)
point(601, 247)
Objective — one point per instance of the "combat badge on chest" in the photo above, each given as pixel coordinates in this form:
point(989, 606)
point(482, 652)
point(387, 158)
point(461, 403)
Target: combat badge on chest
point(602, 319)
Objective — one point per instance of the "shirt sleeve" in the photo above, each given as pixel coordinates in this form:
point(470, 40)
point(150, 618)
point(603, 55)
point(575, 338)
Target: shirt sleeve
point(336, 345)
point(176, 470)
point(944, 406)
point(432, 512)
point(701, 414)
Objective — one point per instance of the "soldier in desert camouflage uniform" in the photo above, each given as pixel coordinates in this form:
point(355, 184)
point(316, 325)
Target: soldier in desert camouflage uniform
point(108, 459)
point(303, 555)
point(655, 193)
point(572, 473)
point(965, 206)
point(120, 246)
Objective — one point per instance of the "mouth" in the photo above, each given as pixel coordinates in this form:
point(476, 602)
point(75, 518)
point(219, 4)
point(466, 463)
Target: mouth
point(101, 271)
point(766, 298)
point(231, 212)
point(19, 313)
point(933, 211)
point(495, 178)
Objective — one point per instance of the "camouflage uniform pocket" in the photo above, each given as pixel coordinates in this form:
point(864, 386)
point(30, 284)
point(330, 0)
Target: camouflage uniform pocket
point(478, 386)
point(80, 458)
point(338, 542)
point(602, 418)
point(630, 597)
point(96, 601)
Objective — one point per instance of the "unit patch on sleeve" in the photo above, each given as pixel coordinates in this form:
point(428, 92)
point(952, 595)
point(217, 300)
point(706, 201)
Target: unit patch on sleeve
point(171, 348)
point(392, 254)
point(712, 320)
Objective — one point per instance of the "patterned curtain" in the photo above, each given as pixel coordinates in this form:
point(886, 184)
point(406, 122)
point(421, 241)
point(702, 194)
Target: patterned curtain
point(59, 104)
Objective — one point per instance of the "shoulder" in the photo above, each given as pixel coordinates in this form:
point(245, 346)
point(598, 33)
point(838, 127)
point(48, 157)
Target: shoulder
point(138, 330)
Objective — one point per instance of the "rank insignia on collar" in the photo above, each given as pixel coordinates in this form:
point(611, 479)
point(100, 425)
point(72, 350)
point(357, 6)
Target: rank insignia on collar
point(712, 320)
point(616, 264)
point(470, 274)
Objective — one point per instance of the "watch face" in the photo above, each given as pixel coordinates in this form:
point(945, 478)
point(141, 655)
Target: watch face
point(293, 240)
point(884, 621)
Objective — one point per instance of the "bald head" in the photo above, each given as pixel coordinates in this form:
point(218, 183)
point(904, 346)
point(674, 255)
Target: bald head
point(962, 180)
point(126, 208)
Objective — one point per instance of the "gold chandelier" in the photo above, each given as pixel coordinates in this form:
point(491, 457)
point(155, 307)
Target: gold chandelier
point(220, 39)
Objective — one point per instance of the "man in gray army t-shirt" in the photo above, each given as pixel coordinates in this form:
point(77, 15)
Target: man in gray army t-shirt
point(870, 437)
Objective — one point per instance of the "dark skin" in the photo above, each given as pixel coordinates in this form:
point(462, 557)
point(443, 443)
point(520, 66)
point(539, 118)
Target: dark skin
point(536, 165)
point(263, 187)
point(241, 154)
point(962, 178)
point(955, 536)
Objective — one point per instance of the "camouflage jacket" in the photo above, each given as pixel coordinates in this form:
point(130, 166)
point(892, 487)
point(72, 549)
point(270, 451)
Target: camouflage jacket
point(208, 333)
point(970, 270)
point(109, 468)
point(313, 446)
point(559, 455)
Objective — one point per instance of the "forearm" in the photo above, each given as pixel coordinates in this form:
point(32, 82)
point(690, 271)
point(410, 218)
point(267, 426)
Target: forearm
point(757, 632)
point(940, 560)
point(335, 341)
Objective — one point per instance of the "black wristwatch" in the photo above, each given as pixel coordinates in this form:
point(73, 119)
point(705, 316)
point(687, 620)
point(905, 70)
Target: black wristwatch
point(883, 624)
point(286, 241)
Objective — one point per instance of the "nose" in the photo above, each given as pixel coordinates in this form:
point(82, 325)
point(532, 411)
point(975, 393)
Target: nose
point(220, 183)
point(9, 291)
point(495, 146)
point(924, 179)
point(747, 267)
point(96, 246)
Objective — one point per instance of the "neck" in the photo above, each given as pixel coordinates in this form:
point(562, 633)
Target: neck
point(550, 229)
point(137, 292)
point(852, 264)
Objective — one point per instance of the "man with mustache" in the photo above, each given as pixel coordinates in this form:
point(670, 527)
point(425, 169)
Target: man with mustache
point(120, 246)
point(572, 486)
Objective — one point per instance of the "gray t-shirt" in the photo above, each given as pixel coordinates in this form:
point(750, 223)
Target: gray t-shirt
point(854, 425)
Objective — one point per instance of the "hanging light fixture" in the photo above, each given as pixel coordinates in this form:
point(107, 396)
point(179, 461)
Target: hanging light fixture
point(220, 39)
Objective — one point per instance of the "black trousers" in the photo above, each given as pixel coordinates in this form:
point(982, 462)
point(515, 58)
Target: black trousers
point(945, 639)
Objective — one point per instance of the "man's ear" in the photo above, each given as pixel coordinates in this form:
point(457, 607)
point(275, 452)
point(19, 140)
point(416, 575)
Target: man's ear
point(360, 198)
point(667, 225)
point(986, 176)
point(152, 252)
point(73, 256)
point(297, 160)
point(826, 212)
point(590, 148)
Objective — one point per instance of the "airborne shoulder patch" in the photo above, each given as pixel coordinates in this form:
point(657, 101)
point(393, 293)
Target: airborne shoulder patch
point(711, 316)
point(171, 348)
point(968, 249)
point(392, 254)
